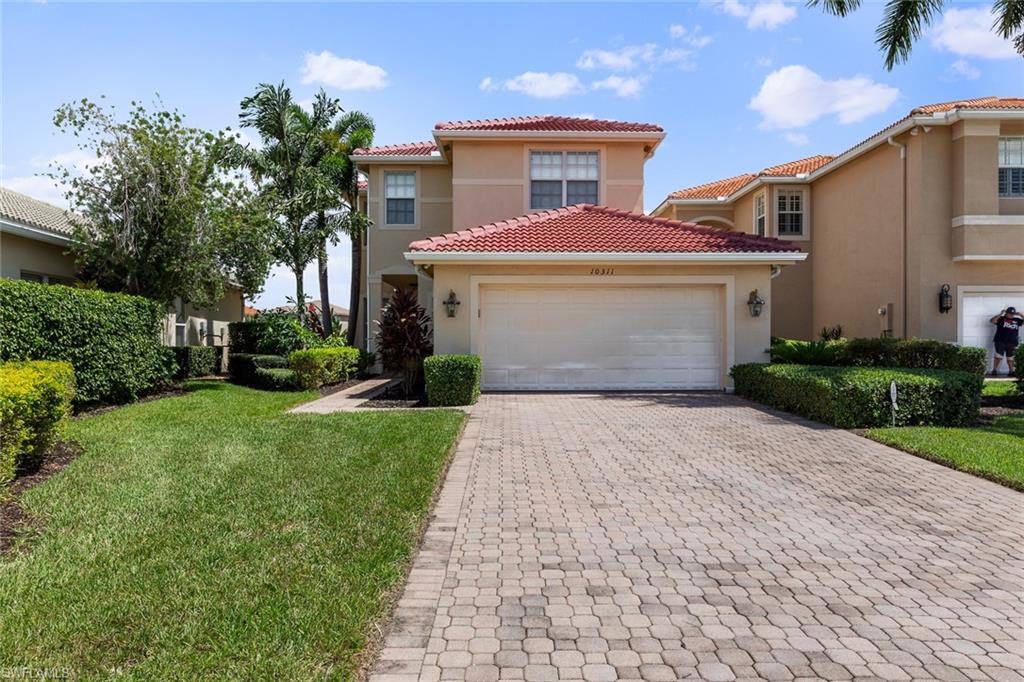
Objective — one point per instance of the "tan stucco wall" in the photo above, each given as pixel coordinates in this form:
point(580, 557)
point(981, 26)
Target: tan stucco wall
point(230, 308)
point(491, 179)
point(19, 253)
point(751, 335)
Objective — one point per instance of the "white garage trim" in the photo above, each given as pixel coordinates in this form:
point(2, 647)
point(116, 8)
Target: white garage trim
point(968, 289)
point(728, 282)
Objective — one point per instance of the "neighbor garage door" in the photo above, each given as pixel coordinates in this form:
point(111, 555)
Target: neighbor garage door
point(600, 337)
point(978, 308)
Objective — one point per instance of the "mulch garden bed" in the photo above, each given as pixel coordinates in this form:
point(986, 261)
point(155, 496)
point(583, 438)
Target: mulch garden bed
point(14, 521)
point(168, 392)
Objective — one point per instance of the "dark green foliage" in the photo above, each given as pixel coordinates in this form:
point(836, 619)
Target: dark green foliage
point(831, 333)
point(1018, 361)
point(35, 399)
point(276, 379)
point(266, 334)
point(196, 361)
point(797, 352)
point(242, 366)
point(452, 379)
point(858, 397)
point(917, 353)
point(111, 340)
point(315, 367)
point(404, 339)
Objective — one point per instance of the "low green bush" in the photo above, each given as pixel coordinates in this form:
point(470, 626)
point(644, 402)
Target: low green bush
point(266, 334)
point(317, 367)
point(1018, 361)
point(242, 366)
point(916, 353)
point(452, 379)
point(858, 397)
point(276, 379)
point(35, 399)
point(796, 352)
point(111, 340)
point(196, 361)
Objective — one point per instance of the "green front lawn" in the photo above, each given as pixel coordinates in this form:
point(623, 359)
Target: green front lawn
point(211, 535)
point(995, 452)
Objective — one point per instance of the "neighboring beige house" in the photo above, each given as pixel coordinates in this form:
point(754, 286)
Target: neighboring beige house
point(34, 240)
point(584, 297)
point(932, 203)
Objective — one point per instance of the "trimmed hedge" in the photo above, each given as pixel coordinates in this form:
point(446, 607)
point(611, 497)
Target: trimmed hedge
point(1018, 361)
point(242, 366)
point(317, 367)
point(916, 353)
point(111, 340)
point(196, 361)
point(452, 380)
point(276, 379)
point(267, 334)
point(797, 352)
point(858, 397)
point(35, 399)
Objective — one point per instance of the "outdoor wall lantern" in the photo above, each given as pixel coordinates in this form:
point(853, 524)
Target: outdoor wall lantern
point(945, 299)
point(451, 304)
point(755, 303)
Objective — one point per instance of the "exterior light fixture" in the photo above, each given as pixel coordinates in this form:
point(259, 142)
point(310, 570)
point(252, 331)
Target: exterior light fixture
point(451, 304)
point(945, 299)
point(755, 303)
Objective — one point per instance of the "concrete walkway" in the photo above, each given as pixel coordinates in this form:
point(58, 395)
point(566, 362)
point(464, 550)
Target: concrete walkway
point(663, 537)
point(348, 399)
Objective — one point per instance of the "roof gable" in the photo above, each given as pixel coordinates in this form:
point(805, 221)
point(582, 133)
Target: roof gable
point(23, 209)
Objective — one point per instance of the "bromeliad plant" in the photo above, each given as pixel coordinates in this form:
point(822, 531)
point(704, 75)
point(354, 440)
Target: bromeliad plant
point(403, 338)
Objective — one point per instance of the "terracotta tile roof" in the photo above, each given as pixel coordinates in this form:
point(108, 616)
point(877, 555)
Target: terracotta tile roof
point(407, 149)
point(551, 124)
point(584, 228)
point(713, 190)
point(20, 208)
point(798, 167)
point(976, 103)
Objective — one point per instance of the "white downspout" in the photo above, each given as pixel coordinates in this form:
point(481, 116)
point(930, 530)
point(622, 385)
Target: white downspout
point(903, 229)
point(776, 271)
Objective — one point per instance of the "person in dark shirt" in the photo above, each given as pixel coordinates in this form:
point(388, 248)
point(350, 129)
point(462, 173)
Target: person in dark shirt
point(1008, 323)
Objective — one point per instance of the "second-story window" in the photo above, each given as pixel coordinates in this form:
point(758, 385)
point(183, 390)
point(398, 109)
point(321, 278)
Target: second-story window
point(400, 198)
point(790, 216)
point(1011, 166)
point(563, 178)
point(760, 212)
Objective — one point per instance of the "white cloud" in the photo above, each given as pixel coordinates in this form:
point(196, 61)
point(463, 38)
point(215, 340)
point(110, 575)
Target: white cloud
point(766, 14)
point(540, 84)
point(38, 187)
point(764, 61)
point(630, 57)
point(691, 37)
point(797, 139)
point(964, 69)
point(676, 31)
point(794, 96)
point(622, 87)
point(342, 73)
point(968, 33)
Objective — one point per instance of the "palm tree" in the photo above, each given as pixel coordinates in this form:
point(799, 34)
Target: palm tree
point(289, 173)
point(906, 20)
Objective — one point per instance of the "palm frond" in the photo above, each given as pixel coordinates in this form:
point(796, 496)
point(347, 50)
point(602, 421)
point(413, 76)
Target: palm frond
point(1009, 21)
point(903, 23)
point(839, 8)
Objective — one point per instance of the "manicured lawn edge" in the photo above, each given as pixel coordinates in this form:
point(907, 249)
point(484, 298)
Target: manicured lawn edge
point(378, 633)
point(944, 461)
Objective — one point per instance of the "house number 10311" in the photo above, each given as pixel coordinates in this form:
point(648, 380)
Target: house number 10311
point(602, 271)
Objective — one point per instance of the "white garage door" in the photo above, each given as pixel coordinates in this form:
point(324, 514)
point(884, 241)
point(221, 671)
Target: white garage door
point(600, 337)
point(978, 308)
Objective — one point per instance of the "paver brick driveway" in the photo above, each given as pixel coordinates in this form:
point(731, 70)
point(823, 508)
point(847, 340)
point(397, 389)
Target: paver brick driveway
point(688, 536)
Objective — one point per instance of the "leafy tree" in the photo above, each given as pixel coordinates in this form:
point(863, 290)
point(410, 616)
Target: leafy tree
point(158, 214)
point(288, 170)
point(906, 20)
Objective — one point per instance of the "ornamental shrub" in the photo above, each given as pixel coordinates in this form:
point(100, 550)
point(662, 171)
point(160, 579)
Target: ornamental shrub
point(111, 340)
point(1018, 361)
point(452, 379)
point(916, 353)
point(242, 366)
point(196, 361)
point(267, 334)
point(276, 379)
point(317, 367)
point(858, 397)
point(35, 400)
point(796, 352)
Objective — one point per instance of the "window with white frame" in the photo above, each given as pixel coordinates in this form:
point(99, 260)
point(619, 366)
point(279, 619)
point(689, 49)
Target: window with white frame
point(790, 214)
point(1011, 166)
point(760, 213)
point(400, 198)
point(563, 178)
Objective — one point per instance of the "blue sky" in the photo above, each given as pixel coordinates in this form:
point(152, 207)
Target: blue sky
point(738, 85)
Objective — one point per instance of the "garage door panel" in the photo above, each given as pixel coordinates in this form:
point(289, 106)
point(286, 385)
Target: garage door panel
point(592, 337)
point(978, 308)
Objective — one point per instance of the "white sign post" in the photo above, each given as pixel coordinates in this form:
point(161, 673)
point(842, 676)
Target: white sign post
point(892, 399)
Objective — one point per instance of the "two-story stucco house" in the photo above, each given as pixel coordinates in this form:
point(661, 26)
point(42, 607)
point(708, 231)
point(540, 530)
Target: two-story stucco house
point(526, 240)
point(34, 240)
point(931, 205)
